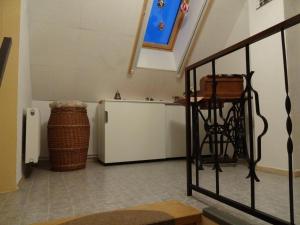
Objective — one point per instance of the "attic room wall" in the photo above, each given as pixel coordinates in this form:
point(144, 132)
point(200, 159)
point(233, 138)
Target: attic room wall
point(224, 25)
point(68, 60)
point(81, 50)
point(9, 27)
point(86, 56)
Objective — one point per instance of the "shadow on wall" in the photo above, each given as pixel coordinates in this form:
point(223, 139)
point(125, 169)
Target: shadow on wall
point(44, 141)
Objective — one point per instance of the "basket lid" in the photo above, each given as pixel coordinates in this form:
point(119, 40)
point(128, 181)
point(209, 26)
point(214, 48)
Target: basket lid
point(64, 104)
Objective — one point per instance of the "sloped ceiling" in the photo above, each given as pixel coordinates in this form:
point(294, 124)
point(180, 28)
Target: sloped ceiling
point(225, 23)
point(80, 49)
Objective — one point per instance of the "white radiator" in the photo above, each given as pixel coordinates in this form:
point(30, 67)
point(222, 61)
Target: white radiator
point(33, 136)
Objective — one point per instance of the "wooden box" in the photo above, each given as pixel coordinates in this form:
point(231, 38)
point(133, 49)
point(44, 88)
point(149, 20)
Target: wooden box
point(228, 86)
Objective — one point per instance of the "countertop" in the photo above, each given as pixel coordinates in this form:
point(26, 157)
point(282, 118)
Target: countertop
point(139, 101)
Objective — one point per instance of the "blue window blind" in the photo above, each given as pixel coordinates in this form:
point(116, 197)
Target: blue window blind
point(167, 15)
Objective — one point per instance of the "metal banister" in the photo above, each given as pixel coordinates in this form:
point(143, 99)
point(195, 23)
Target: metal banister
point(249, 96)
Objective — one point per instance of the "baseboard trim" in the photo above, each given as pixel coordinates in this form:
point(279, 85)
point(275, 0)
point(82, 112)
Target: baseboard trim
point(45, 158)
point(277, 171)
point(95, 158)
point(140, 161)
point(20, 182)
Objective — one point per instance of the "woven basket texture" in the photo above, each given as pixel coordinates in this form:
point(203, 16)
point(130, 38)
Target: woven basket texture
point(68, 138)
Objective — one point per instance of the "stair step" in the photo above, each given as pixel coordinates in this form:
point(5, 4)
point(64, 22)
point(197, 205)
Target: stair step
point(168, 213)
point(222, 218)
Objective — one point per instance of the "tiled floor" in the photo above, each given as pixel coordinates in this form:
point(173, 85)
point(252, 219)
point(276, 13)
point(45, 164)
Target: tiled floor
point(48, 195)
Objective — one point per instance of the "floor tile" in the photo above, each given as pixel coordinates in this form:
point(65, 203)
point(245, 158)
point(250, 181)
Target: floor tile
point(51, 195)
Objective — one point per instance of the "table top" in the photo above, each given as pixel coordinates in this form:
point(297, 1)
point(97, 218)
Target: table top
point(201, 99)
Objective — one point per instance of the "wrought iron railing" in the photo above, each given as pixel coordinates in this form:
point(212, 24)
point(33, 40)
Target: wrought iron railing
point(4, 52)
point(248, 97)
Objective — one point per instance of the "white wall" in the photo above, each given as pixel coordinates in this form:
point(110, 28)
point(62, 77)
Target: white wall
point(86, 56)
point(44, 108)
point(268, 80)
point(81, 50)
point(24, 82)
point(224, 25)
point(156, 59)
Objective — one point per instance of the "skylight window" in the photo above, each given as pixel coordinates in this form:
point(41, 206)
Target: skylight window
point(164, 23)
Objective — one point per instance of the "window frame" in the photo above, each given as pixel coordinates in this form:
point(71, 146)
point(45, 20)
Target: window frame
point(177, 25)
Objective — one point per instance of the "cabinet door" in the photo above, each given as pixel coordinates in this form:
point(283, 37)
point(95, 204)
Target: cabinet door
point(175, 131)
point(134, 131)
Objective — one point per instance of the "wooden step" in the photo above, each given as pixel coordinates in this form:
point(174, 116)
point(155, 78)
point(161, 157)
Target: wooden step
point(221, 217)
point(162, 213)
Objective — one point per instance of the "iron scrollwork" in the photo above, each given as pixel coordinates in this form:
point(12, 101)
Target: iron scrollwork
point(244, 98)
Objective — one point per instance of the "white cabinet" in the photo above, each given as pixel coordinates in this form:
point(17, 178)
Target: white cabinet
point(131, 131)
point(175, 131)
point(137, 131)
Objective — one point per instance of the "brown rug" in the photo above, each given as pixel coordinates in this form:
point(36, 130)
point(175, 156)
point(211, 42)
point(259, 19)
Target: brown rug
point(162, 213)
point(125, 217)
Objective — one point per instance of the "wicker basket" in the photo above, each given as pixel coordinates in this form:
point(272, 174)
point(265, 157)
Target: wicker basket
point(68, 138)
